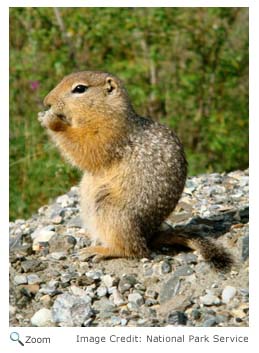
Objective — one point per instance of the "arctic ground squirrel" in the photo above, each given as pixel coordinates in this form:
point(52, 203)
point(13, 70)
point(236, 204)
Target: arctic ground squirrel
point(134, 168)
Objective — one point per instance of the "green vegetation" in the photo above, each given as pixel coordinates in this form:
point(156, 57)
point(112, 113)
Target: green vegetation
point(187, 67)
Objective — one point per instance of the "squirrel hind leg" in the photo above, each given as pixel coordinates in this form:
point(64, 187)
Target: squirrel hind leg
point(117, 250)
point(98, 253)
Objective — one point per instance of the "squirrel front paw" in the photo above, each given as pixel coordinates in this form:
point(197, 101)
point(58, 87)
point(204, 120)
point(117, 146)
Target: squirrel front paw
point(51, 121)
point(45, 118)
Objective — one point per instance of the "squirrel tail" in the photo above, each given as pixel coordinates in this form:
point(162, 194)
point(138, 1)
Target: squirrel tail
point(213, 253)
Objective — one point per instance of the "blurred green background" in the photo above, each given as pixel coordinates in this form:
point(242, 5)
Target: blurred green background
point(187, 67)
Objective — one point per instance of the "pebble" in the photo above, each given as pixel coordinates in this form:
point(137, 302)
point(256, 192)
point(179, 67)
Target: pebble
point(50, 288)
point(209, 299)
point(165, 267)
point(77, 291)
point(94, 274)
point(169, 289)
point(126, 282)
point(210, 322)
point(245, 248)
point(189, 258)
point(101, 291)
point(196, 314)
point(183, 271)
point(151, 293)
point(109, 281)
point(75, 222)
point(105, 307)
point(12, 310)
point(71, 310)
point(136, 298)
point(33, 278)
point(228, 294)
point(115, 320)
point(32, 265)
point(59, 255)
point(117, 298)
point(20, 279)
point(46, 300)
point(42, 318)
point(140, 287)
point(42, 235)
point(177, 318)
point(190, 186)
point(65, 201)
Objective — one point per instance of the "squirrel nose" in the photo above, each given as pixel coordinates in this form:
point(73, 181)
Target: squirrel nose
point(47, 101)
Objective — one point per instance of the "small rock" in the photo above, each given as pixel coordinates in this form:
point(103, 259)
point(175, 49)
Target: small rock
point(45, 299)
point(190, 186)
point(126, 282)
point(183, 271)
point(169, 289)
point(77, 291)
point(50, 288)
point(58, 255)
point(75, 222)
point(12, 310)
point(150, 293)
point(84, 281)
point(136, 298)
point(33, 265)
point(105, 307)
point(150, 302)
point(20, 279)
point(101, 291)
point(94, 274)
point(56, 219)
point(65, 201)
point(196, 314)
point(209, 299)
point(115, 320)
point(124, 322)
point(140, 287)
point(189, 258)
point(42, 235)
point(42, 318)
point(209, 322)
point(109, 281)
point(165, 267)
point(71, 310)
point(66, 277)
point(245, 248)
point(240, 312)
point(61, 243)
point(117, 298)
point(177, 318)
point(221, 318)
point(228, 293)
point(71, 240)
point(33, 279)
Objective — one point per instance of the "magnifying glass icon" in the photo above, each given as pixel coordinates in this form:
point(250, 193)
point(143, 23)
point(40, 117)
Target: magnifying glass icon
point(14, 336)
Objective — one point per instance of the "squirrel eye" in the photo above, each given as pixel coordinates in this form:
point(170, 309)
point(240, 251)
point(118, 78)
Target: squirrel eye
point(80, 89)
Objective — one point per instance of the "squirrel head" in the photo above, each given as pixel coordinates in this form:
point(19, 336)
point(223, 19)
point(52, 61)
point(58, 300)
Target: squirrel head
point(88, 95)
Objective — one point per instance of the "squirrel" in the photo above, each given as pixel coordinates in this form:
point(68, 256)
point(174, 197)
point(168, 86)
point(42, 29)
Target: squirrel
point(134, 168)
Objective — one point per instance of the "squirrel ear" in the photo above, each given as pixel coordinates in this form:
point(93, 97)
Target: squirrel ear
point(110, 85)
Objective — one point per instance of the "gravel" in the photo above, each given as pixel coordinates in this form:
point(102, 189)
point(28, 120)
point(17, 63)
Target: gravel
point(51, 286)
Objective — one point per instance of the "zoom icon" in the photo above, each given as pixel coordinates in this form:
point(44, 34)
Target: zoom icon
point(14, 336)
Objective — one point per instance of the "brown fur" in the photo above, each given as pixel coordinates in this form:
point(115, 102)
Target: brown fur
point(134, 168)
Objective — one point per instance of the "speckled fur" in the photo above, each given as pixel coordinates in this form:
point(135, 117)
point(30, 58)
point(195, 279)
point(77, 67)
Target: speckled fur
point(134, 168)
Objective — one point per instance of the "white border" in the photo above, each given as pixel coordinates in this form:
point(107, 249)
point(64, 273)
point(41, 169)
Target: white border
point(64, 336)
